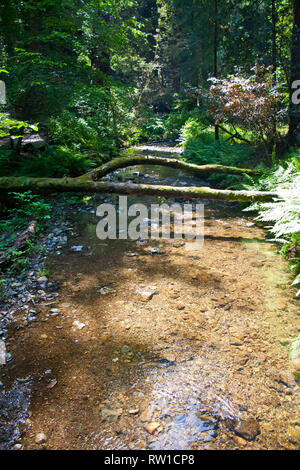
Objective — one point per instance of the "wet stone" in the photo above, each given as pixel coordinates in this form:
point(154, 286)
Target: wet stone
point(248, 428)
point(110, 415)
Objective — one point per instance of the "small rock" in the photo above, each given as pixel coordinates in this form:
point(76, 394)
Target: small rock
point(248, 428)
point(79, 325)
point(40, 438)
point(156, 251)
point(8, 357)
point(16, 284)
point(152, 427)
point(17, 447)
point(42, 279)
point(145, 295)
point(52, 383)
point(54, 310)
point(105, 290)
point(110, 415)
point(145, 415)
point(76, 249)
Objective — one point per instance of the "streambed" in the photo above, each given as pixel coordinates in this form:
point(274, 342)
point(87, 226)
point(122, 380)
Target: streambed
point(157, 349)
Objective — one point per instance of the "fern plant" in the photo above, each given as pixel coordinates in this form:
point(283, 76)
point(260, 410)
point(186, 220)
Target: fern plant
point(284, 212)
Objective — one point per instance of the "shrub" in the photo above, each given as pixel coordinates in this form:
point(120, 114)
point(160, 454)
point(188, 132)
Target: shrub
point(200, 147)
point(68, 130)
point(251, 103)
point(54, 162)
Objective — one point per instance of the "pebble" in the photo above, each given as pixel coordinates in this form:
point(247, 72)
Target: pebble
point(40, 438)
point(145, 415)
point(79, 325)
point(17, 447)
point(76, 249)
point(156, 251)
point(105, 290)
point(152, 427)
point(54, 311)
point(110, 415)
point(145, 295)
point(42, 279)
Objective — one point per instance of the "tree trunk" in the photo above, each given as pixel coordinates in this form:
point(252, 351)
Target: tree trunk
point(86, 185)
point(198, 170)
point(294, 110)
point(216, 57)
point(274, 35)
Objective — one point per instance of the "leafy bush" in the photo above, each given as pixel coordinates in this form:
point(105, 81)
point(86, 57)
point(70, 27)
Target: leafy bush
point(252, 103)
point(68, 130)
point(200, 147)
point(168, 126)
point(54, 162)
point(10, 126)
point(27, 207)
point(153, 128)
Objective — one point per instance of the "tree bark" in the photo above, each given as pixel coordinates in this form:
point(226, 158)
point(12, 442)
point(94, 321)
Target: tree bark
point(216, 57)
point(294, 109)
point(86, 185)
point(198, 170)
point(274, 36)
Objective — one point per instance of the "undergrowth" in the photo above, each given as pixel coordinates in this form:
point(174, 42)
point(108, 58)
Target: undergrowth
point(26, 207)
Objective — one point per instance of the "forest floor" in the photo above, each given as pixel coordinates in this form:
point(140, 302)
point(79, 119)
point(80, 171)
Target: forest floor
point(166, 349)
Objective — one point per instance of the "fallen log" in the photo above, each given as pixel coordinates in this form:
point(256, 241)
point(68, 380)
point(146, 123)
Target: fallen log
point(20, 242)
point(198, 170)
point(87, 185)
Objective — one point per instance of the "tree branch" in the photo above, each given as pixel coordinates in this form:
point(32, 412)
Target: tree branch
point(198, 170)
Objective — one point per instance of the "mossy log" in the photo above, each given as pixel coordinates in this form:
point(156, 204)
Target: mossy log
point(87, 185)
point(197, 170)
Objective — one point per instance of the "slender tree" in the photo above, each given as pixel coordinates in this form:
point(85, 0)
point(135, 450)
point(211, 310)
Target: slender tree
point(294, 109)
